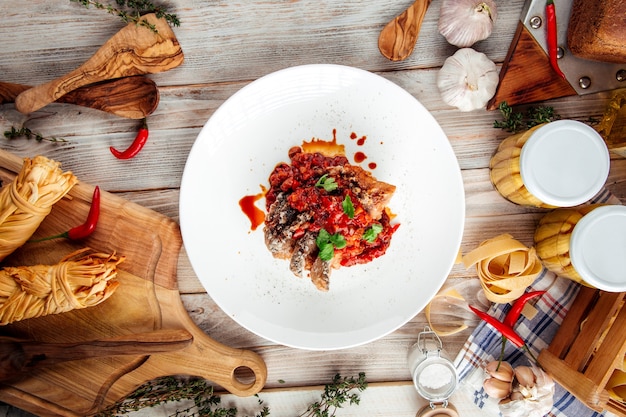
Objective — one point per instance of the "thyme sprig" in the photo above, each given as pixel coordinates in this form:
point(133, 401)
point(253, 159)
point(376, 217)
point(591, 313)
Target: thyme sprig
point(513, 121)
point(206, 402)
point(336, 394)
point(165, 389)
point(24, 131)
point(132, 10)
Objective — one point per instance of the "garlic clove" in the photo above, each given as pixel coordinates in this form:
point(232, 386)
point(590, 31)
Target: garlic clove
point(525, 376)
point(467, 80)
point(497, 388)
point(517, 396)
point(500, 370)
point(465, 22)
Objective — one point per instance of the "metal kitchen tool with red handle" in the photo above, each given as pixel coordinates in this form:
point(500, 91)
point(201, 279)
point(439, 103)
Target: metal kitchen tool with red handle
point(526, 75)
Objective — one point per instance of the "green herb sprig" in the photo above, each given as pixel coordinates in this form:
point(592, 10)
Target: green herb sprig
point(132, 10)
point(336, 394)
point(513, 121)
point(165, 389)
point(327, 183)
point(27, 133)
point(327, 243)
point(372, 233)
point(348, 207)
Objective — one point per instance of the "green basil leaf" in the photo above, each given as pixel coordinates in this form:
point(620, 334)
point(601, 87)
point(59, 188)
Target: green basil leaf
point(348, 208)
point(327, 252)
point(328, 184)
point(323, 237)
point(371, 234)
point(338, 240)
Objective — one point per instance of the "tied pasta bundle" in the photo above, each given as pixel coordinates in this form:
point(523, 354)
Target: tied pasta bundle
point(28, 199)
point(79, 280)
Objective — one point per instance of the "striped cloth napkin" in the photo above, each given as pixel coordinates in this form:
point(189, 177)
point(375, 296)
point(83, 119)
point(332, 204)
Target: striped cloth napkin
point(485, 343)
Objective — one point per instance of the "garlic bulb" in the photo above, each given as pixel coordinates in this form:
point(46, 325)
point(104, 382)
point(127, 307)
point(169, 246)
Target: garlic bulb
point(465, 22)
point(529, 401)
point(467, 80)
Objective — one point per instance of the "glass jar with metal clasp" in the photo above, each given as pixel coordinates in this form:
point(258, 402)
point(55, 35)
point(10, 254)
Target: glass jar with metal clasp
point(434, 376)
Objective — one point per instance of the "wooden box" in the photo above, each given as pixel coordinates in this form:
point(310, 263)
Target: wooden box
point(588, 347)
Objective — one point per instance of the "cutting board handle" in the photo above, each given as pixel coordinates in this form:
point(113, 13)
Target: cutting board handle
point(230, 368)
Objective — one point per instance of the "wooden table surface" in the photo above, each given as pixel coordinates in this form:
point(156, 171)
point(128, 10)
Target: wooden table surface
point(228, 44)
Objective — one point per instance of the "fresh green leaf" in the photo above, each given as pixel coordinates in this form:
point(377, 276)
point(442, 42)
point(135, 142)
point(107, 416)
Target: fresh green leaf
point(326, 183)
point(132, 10)
point(326, 243)
point(206, 403)
point(371, 234)
point(336, 395)
point(517, 121)
point(323, 237)
point(348, 207)
point(327, 251)
point(29, 134)
point(338, 241)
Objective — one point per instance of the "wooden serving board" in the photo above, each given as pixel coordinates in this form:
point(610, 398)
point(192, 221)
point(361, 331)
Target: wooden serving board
point(147, 300)
point(526, 75)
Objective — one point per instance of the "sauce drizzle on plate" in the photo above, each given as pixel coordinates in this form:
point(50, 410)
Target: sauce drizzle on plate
point(328, 148)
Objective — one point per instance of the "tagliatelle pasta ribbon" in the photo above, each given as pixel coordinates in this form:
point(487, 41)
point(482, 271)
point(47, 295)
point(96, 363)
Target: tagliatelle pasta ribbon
point(505, 267)
point(451, 296)
point(616, 386)
point(450, 308)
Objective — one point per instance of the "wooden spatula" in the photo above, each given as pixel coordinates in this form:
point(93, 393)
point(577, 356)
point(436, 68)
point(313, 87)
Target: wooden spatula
point(131, 97)
point(134, 50)
point(397, 39)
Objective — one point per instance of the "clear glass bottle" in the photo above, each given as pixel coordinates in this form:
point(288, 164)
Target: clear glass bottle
point(434, 375)
point(612, 127)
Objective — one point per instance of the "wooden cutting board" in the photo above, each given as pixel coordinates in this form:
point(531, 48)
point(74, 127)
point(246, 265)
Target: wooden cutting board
point(526, 75)
point(147, 300)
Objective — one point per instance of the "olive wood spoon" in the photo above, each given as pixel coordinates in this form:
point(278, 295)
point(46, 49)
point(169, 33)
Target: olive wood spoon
point(134, 50)
point(398, 37)
point(131, 97)
point(19, 356)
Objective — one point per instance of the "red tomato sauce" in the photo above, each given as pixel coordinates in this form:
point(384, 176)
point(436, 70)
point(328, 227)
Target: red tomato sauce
point(299, 179)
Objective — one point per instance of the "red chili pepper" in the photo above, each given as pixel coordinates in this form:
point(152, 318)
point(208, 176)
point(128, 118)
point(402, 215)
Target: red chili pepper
point(551, 37)
point(81, 231)
point(518, 306)
point(136, 146)
point(87, 228)
point(506, 330)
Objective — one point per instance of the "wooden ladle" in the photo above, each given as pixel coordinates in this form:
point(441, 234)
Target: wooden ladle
point(134, 50)
point(397, 39)
point(131, 97)
point(18, 356)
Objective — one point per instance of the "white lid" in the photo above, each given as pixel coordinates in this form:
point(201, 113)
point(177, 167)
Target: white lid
point(598, 248)
point(564, 163)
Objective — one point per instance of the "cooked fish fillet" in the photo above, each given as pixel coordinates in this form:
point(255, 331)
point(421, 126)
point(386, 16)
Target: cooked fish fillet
point(281, 222)
point(300, 207)
point(374, 195)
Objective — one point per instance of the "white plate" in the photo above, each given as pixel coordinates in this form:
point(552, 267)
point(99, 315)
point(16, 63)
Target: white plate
point(233, 156)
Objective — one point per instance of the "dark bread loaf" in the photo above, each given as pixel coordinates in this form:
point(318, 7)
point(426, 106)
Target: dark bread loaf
point(597, 30)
